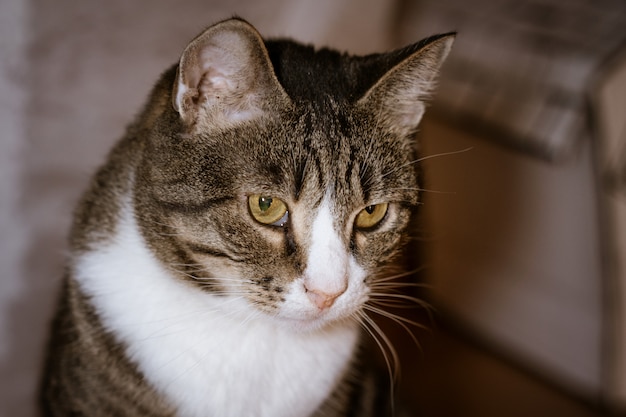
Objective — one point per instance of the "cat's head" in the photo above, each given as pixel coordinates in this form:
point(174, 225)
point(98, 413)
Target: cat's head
point(285, 176)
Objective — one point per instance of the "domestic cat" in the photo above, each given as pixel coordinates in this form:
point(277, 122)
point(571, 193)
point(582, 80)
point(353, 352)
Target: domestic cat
point(224, 258)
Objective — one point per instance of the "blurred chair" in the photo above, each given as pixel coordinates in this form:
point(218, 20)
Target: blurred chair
point(527, 224)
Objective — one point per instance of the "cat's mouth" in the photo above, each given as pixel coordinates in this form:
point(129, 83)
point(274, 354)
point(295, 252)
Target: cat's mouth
point(311, 313)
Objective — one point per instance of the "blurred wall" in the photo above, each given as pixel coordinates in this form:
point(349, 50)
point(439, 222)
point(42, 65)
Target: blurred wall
point(14, 228)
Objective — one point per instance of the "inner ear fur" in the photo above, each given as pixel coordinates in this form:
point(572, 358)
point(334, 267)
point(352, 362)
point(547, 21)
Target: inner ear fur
point(225, 76)
point(398, 98)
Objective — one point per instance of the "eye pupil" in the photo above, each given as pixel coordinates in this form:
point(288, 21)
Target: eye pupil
point(265, 203)
point(370, 209)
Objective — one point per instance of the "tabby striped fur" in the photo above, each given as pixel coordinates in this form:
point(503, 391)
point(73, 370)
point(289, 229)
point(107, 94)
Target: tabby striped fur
point(177, 300)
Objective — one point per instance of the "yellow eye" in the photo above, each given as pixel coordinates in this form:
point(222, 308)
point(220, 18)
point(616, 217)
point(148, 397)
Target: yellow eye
point(268, 210)
point(371, 216)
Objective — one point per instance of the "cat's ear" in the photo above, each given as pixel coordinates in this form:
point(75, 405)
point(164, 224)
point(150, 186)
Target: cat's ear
point(225, 76)
point(398, 97)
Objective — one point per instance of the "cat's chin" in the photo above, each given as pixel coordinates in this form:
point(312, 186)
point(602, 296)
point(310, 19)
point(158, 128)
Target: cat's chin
point(319, 323)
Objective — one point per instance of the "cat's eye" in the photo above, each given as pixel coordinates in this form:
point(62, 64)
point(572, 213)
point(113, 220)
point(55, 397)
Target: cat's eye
point(268, 210)
point(371, 216)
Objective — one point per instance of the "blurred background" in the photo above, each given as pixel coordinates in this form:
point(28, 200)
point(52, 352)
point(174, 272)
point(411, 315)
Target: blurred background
point(524, 233)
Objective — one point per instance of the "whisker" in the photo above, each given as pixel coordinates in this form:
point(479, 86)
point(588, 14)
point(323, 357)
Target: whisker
point(397, 305)
point(169, 234)
point(403, 274)
point(395, 317)
point(208, 280)
point(402, 297)
point(399, 300)
point(437, 155)
point(400, 285)
point(423, 236)
point(401, 321)
point(425, 158)
point(382, 340)
point(393, 362)
point(397, 286)
point(424, 190)
point(180, 264)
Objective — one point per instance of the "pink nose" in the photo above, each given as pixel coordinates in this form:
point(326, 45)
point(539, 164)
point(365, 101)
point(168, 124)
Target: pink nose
point(321, 299)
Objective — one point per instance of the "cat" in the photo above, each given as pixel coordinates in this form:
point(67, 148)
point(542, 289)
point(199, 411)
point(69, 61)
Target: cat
point(224, 258)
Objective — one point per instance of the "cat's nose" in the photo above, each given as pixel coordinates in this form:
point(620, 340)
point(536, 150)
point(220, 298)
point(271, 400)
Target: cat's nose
point(321, 299)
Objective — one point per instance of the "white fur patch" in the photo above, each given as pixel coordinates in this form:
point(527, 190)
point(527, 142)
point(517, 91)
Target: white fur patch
point(328, 260)
point(331, 269)
point(209, 355)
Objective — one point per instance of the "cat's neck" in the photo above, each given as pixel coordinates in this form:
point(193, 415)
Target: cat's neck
point(188, 343)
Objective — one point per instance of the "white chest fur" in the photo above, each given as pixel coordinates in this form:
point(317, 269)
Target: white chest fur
point(210, 356)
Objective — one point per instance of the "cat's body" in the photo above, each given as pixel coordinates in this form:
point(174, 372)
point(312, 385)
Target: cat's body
point(222, 258)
